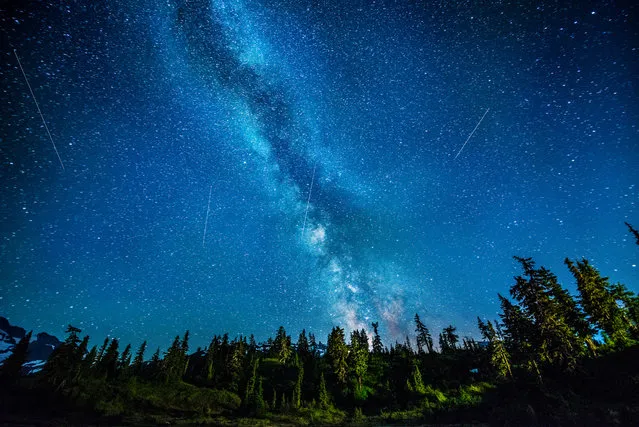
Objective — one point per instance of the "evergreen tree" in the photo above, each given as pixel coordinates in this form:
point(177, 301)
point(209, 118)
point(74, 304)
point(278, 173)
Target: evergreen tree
point(337, 353)
point(470, 344)
point(633, 231)
point(408, 347)
point(378, 347)
point(599, 303)
point(519, 334)
point(252, 345)
point(543, 322)
point(282, 346)
point(88, 363)
point(324, 398)
point(62, 365)
point(448, 339)
point(499, 357)
point(138, 361)
point(302, 346)
point(234, 366)
point(109, 362)
point(629, 303)
point(82, 348)
point(125, 357)
point(424, 339)
point(183, 360)
point(102, 350)
point(416, 383)
point(172, 365)
point(312, 345)
point(358, 356)
point(78, 363)
point(10, 369)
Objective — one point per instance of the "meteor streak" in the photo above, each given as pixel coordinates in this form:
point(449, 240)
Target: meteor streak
point(38, 107)
point(471, 134)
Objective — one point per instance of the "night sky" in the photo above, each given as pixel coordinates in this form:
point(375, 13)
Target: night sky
point(326, 134)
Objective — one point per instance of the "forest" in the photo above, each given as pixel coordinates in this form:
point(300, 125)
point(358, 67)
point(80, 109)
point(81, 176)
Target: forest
point(551, 358)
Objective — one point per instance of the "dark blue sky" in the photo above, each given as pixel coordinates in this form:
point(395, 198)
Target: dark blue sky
point(153, 105)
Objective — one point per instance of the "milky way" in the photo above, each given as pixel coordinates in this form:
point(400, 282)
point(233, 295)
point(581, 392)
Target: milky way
point(192, 133)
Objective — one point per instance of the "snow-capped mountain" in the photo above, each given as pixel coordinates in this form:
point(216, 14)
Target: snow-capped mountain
point(39, 350)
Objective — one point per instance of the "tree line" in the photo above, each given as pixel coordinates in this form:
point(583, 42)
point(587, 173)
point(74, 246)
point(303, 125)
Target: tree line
point(542, 332)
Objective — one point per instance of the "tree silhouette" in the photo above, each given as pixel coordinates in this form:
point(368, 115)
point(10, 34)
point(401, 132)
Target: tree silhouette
point(10, 369)
point(378, 347)
point(633, 231)
point(138, 361)
point(424, 339)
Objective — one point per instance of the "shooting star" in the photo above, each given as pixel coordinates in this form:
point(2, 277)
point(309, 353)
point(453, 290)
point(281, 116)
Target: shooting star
point(38, 107)
point(471, 134)
point(308, 201)
point(206, 221)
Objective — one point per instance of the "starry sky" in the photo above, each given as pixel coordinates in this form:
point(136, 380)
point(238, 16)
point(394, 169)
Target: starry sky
point(234, 166)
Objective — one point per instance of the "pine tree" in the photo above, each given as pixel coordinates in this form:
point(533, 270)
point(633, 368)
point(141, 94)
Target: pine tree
point(62, 365)
point(633, 231)
point(302, 346)
point(78, 358)
point(234, 366)
point(499, 357)
point(337, 353)
point(282, 346)
point(408, 347)
point(88, 363)
point(378, 347)
point(598, 301)
point(109, 362)
point(470, 344)
point(629, 303)
point(172, 363)
point(520, 337)
point(416, 383)
point(358, 356)
point(102, 350)
point(377, 361)
point(10, 369)
point(544, 322)
point(252, 345)
point(73, 339)
point(125, 357)
point(424, 339)
point(138, 361)
point(312, 345)
point(448, 339)
point(322, 394)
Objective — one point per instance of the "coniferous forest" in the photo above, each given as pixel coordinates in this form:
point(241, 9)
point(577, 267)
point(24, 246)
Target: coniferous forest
point(551, 358)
